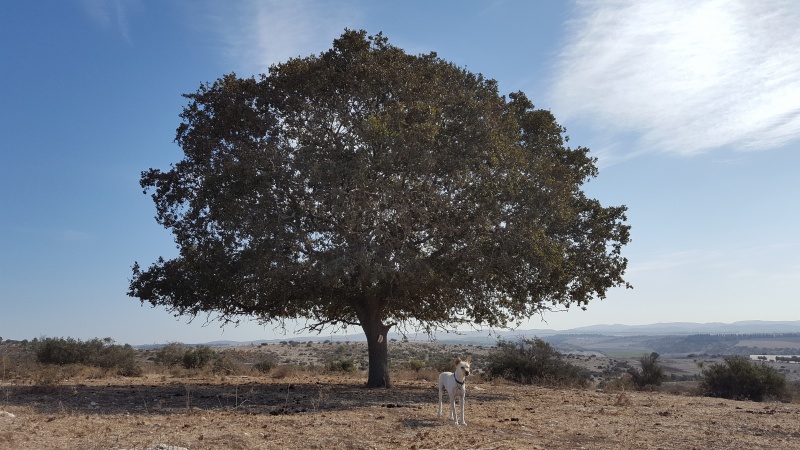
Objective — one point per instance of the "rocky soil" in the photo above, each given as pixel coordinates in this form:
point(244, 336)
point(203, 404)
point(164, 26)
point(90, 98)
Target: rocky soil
point(303, 410)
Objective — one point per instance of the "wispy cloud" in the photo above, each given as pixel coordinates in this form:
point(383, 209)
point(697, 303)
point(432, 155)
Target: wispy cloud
point(683, 76)
point(70, 235)
point(254, 34)
point(681, 259)
point(110, 15)
point(759, 263)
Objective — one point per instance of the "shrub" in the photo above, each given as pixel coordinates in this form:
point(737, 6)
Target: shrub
point(171, 354)
point(265, 365)
point(441, 362)
point(59, 351)
point(619, 384)
point(130, 370)
point(198, 357)
point(224, 364)
point(51, 375)
point(176, 353)
point(285, 371)
point(341, 365)
point(741, 379)
point(651, 373)
point(116, 356)
point(94, 352)
point(532, 361)
point(19, 363)
point(342, 349)
point(268, 362)
point(793, 390)
point(414, 364)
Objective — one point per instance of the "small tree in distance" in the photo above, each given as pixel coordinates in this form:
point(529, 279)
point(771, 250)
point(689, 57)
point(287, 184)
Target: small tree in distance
point(651, 373)
point(368, 187)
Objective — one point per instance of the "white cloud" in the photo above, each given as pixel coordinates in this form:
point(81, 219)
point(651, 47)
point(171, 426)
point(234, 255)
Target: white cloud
point(110, 14)
point(255, 34)
point(684, 76)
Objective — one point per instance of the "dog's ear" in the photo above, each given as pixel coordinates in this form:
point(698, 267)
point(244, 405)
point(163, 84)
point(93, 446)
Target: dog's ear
point(458, 361)
point(469, 359)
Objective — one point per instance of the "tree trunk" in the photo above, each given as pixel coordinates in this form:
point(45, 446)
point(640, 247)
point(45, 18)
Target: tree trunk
point(377, 345)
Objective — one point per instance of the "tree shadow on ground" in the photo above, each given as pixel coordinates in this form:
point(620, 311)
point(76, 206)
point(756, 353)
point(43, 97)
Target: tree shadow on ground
point(251, 397)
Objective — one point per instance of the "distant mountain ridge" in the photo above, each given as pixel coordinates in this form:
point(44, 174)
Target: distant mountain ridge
point(678, 328)
point(488, 337)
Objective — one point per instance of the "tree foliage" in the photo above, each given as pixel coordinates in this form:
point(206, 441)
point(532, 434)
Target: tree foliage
point(366, 186)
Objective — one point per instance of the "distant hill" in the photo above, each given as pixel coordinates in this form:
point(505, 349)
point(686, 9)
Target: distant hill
point(678, 328)
point(490, 337)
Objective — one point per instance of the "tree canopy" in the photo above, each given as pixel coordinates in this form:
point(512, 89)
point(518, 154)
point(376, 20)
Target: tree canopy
point(366, 186)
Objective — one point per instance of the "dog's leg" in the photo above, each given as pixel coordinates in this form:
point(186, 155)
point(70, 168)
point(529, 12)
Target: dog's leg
point(463, 399)
point(440, 396)
point(453, 416)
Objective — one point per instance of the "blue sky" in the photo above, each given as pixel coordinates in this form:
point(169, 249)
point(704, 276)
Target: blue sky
point(693, 109)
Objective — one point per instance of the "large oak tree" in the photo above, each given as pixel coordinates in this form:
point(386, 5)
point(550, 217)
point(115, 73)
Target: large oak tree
point(366, 186)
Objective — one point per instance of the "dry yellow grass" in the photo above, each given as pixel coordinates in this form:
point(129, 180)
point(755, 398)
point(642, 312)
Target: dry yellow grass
point(303, 410)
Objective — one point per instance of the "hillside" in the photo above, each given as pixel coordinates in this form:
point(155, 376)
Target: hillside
point(680, 345)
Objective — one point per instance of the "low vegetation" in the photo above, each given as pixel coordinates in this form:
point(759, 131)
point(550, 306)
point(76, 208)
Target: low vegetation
point(50, 361)
point(310, 395)
point(651, 373)
point(739, 378)
point(533, 361)
point(104, 354)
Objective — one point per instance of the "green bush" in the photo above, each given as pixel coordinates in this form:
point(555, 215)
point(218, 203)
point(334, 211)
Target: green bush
point(94, 352)
point(171, 354)
point(651, 373)
point(198, 357)
point(533, 361)
point(741, 379)
point(60, 351)
point(176, 353)
point(414, 364)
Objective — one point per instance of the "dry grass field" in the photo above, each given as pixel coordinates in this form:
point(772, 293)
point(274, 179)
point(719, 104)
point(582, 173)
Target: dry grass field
point(306, 408)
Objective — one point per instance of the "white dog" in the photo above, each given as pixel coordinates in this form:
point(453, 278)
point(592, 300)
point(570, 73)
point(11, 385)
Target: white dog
point(456, 384)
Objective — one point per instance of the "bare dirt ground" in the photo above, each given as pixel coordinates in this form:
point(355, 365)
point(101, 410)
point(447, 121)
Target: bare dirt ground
point(304, 410)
